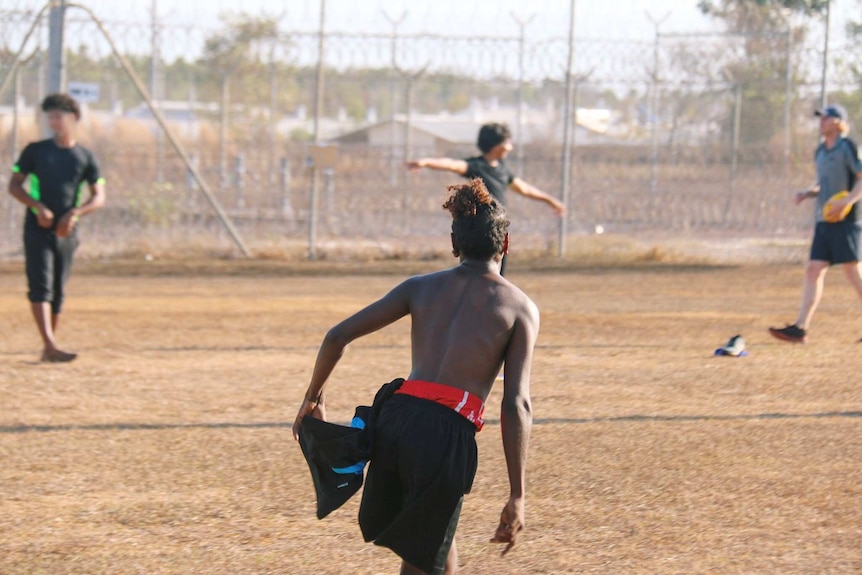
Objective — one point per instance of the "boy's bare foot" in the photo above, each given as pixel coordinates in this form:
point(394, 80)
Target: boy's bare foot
point(57, 356)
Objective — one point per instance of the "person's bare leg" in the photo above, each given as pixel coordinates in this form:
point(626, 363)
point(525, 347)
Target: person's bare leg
point(854, 276)
point(451, 564)
point(44, 321)
point(815, 272)
point(42, 315)
point(55, 321)
point(452, 561)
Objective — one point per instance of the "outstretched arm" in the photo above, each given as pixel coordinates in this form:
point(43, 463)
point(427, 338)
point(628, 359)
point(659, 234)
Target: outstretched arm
point(516, 421)
point(530, 191)
point(441, 164)
point(811, 192)
point(392, 307)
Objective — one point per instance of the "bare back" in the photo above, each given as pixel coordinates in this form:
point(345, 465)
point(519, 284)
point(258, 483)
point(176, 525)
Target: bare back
point(464, 320)
point(467, 322)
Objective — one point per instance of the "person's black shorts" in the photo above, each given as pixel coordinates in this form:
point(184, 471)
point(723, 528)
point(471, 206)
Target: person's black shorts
point(836, 243)
point(423, 462)
point(48, 261)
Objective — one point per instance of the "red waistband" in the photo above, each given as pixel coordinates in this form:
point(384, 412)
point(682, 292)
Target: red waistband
point(458, 400)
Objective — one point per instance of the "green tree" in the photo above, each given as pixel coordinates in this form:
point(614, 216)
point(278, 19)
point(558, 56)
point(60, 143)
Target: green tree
point(239, 53)
point(807, 7)
point(853, 100)
point(768, 37)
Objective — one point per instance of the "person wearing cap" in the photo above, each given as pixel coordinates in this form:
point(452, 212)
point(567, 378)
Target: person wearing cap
point(835, 243)
point(55, 170)
point(495, 144)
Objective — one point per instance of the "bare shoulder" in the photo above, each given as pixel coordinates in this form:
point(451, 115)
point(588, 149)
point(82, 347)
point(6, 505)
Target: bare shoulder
point(525, 308)
point(429, 278)
point(423, 284)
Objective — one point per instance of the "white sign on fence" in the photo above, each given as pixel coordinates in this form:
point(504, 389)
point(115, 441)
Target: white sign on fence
point(84, 92)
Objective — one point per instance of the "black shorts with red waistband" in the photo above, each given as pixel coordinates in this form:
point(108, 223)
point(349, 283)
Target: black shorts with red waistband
point(424, 460)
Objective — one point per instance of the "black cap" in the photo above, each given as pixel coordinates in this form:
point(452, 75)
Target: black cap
point(833, 111)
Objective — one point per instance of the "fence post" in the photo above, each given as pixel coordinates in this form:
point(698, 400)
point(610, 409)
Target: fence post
point(222, 149)
point(156, 85)
point(191, 182)
point(408, 139)
point(284, 172)
point(519, 113)
point(56, 79)
point(239, 180)
point(568, 128)
point(318, 111)
point(734, 149)
point(393, 97)
point(273, 119)
point(653, 182)
point(328, 191)
point(823, 72)
point(788, 95)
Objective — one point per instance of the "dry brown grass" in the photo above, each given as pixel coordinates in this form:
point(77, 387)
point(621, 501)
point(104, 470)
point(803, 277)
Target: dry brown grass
point(215, 361)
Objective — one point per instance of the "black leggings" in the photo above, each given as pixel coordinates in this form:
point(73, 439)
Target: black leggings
point(48, 262)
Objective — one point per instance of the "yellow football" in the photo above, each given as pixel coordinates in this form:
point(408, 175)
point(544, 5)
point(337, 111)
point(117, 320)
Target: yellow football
point(831, 202)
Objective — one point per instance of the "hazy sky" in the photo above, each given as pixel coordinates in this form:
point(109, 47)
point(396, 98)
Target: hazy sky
point(594, 18)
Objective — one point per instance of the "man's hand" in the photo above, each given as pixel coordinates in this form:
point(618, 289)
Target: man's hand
point(314, 409)
point(559, 208)
point(511, 523)
point(836, 209)
point(801, 197)
point(415, 165)
point(67, 224)
point(44, 216)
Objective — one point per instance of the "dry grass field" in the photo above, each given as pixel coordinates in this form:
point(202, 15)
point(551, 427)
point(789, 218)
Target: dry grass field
point(166, 448)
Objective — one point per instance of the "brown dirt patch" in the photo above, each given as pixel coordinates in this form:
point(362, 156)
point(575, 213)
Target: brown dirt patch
point(165, 449)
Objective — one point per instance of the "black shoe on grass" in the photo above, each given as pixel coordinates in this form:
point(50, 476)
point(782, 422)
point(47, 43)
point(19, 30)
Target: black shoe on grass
point(791, 333)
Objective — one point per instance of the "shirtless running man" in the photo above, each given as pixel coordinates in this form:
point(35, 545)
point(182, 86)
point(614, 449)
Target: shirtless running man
point(467, 322)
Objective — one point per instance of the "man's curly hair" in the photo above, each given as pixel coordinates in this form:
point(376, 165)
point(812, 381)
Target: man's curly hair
point(479, 223)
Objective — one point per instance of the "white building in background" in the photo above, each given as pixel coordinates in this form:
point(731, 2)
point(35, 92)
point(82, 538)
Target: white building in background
point(445, 133)
point(438, 133)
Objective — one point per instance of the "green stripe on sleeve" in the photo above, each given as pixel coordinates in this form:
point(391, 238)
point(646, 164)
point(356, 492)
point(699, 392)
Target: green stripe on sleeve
point(101, 181)
point(35, 190)
point(16, 169)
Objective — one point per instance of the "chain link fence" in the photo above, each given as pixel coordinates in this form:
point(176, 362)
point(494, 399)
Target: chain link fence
point(685, 135)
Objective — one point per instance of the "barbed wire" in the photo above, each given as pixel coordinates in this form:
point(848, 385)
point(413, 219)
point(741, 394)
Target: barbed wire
point(670, 97)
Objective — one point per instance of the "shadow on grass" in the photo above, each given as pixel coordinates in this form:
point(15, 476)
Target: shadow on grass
point(538, 421)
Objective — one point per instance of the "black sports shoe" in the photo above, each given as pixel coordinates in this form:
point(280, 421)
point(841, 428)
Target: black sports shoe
point(791, 333)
